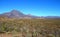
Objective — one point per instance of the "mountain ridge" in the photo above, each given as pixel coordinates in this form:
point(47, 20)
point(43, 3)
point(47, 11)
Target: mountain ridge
point(18, 14)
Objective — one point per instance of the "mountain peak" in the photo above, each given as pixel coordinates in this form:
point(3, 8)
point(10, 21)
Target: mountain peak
point(15, 11)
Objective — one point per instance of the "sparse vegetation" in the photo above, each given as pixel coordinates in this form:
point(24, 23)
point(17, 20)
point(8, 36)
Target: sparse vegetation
point(31, 27)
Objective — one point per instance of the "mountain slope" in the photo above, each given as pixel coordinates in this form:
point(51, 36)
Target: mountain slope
point(17, 14)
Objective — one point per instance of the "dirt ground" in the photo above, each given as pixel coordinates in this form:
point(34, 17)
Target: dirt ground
point(11, 35)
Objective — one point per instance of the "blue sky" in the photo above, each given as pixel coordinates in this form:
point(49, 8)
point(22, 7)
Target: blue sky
point(33, 7)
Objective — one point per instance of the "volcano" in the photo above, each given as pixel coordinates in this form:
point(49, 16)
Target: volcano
point(17, 14)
